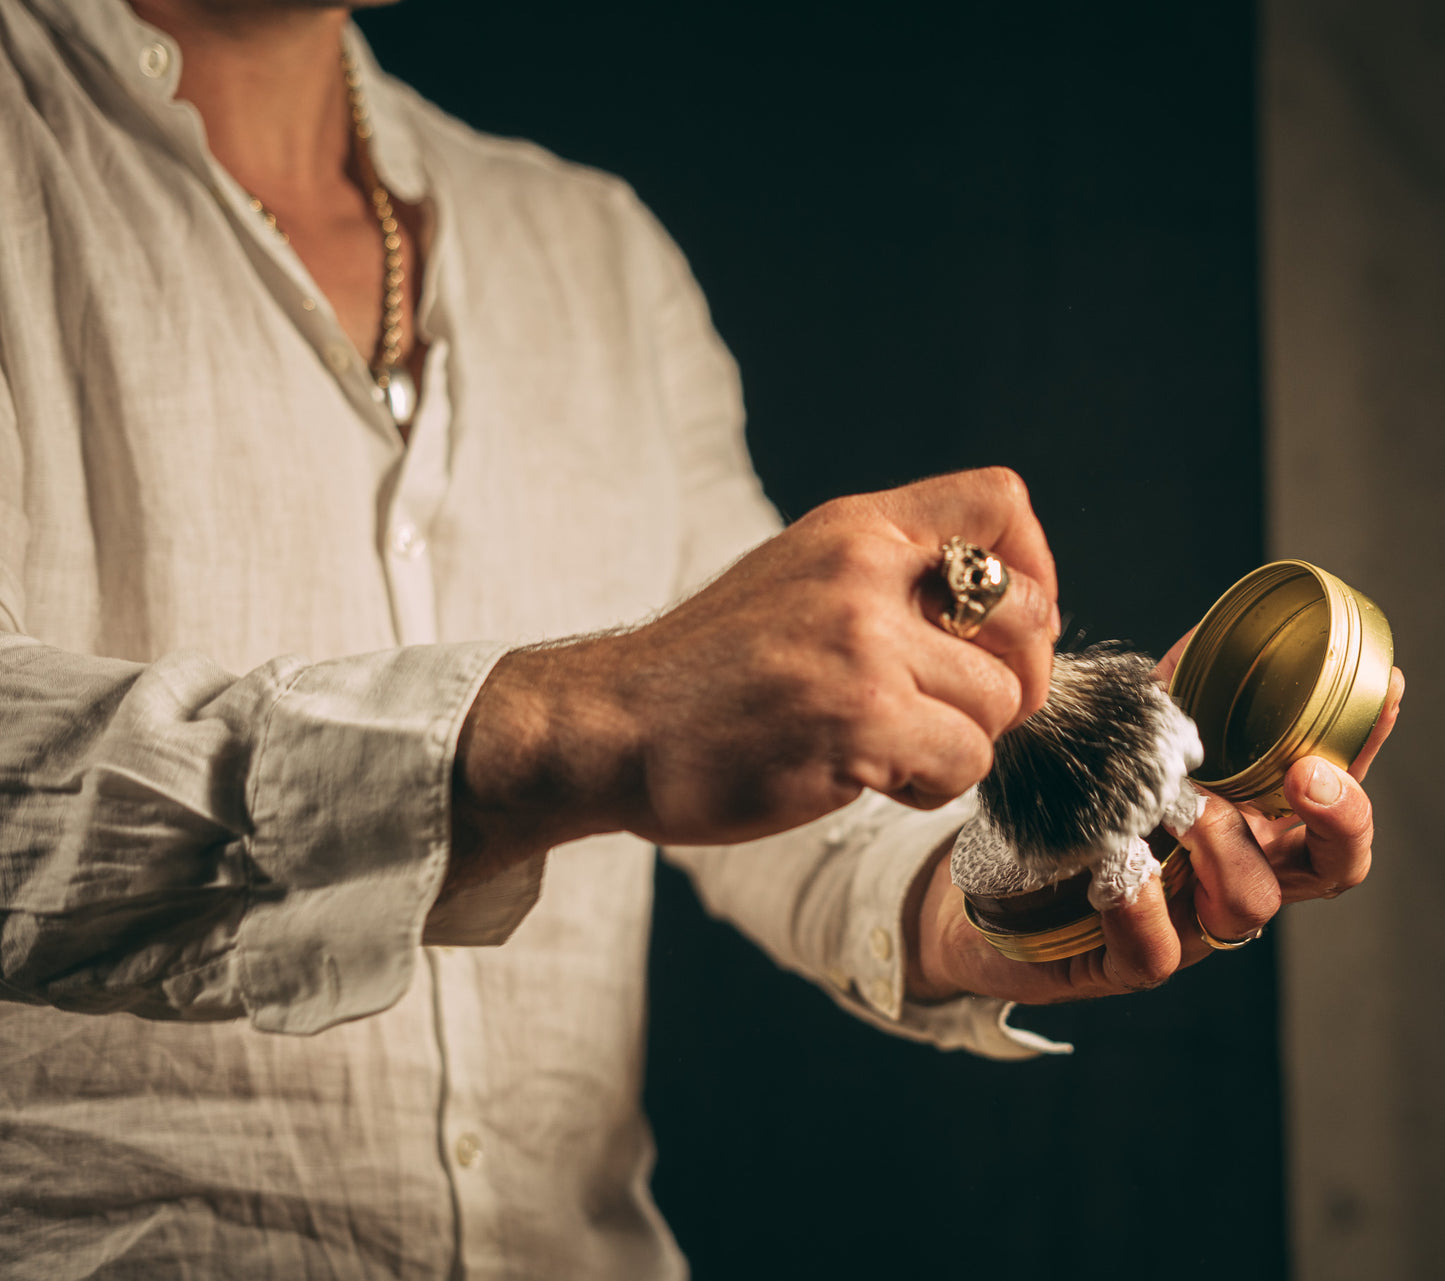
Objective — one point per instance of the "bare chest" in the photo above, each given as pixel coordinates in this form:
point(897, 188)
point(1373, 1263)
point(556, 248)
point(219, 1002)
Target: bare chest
point(346, 256)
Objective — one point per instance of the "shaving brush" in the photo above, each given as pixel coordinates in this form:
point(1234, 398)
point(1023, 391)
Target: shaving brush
point(1074, 793)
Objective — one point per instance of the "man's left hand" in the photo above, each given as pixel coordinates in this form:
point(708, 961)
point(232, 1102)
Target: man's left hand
point(1245, 869)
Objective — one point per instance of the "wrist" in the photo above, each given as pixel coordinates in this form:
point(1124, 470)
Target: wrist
point(547, 752)
point(930, 912)
point(543, 757)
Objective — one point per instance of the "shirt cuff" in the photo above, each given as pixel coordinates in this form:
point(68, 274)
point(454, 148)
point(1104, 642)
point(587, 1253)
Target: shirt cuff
point(869, 979)
point(351, 831)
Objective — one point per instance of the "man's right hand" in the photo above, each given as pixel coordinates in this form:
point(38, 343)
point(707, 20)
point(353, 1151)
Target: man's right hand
point(812, 668)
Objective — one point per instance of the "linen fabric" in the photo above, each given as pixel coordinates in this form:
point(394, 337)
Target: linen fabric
point(240, 625)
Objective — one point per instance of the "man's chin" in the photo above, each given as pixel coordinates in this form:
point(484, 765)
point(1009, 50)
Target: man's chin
point(263, 6)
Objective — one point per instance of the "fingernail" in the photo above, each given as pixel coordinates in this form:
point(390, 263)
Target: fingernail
point(1324, 785)
point(1056, 623)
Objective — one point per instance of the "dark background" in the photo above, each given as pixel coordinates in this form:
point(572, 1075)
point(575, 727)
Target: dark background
point(937, 236)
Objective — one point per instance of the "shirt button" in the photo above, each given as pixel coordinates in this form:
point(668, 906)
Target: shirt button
point(880, 992)
point(337, 358)
point(469, 1150)
point(408, 542)
point(881, 944)
point(308, 304)
point(155, 59)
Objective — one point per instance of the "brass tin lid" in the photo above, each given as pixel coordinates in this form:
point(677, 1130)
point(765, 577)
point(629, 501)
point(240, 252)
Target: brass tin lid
point(1290, 662)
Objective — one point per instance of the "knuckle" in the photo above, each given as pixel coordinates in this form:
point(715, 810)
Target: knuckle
point(922, 797)
point(868, 646)
point(1034, 604)
point(849, 621)
point(1354, 875)
point(999, 695)
point(970, 759)
point(858, 556)
point(1265, 902)
point(1008, 482)
point(1217, 824)
point(1145, 974)
point(975, 758)
point(778, 677)
point(1024, 617)
point(844, 510)
point(853, 765)
point(1034, 693)
point(1254, 902)
point(1009, 701)
point(853, 716)
point(1154, 970)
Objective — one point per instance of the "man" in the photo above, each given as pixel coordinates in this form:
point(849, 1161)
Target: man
point(232, 247)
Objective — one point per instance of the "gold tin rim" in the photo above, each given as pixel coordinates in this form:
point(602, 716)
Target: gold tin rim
point(1078, 936)
point(1347, 674)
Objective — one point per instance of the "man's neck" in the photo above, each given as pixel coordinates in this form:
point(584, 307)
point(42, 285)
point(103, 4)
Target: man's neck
point(267, 81)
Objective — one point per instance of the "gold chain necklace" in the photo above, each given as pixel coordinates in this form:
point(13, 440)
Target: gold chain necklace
point(392, 378)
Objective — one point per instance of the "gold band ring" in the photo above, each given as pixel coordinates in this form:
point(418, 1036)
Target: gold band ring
point(977, 579)
point(1225, 945)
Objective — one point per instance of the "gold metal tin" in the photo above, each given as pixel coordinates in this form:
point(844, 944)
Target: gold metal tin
point(1082, 934)
point(1290, 662)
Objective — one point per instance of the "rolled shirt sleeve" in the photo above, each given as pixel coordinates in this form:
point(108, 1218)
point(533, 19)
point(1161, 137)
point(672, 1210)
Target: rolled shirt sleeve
point(182, 843)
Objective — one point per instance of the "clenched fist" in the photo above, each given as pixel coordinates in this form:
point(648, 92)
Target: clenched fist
point(813, 668)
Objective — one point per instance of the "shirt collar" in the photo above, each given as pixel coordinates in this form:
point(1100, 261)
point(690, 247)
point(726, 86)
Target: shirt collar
point(147, 64)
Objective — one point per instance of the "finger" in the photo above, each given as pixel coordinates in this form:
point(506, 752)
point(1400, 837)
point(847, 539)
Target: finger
point(989, 506)
point(1020, 630)
point(1141, 945)
point(1339, 828)
point(1024, 618)
point(937, 756)
point(973, 681)
point(1236, 890)
point(1024, 615)
point(1164, 672)
point(1386, 722)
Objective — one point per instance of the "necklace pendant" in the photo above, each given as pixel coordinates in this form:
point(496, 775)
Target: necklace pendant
point(400, 391)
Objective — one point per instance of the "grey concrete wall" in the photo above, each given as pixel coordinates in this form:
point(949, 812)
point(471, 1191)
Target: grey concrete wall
point(1353, 120)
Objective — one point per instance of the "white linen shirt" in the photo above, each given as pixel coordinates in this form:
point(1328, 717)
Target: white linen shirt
point(240, 625)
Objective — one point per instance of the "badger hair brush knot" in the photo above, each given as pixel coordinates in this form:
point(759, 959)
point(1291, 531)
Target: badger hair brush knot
point(1080, 783)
